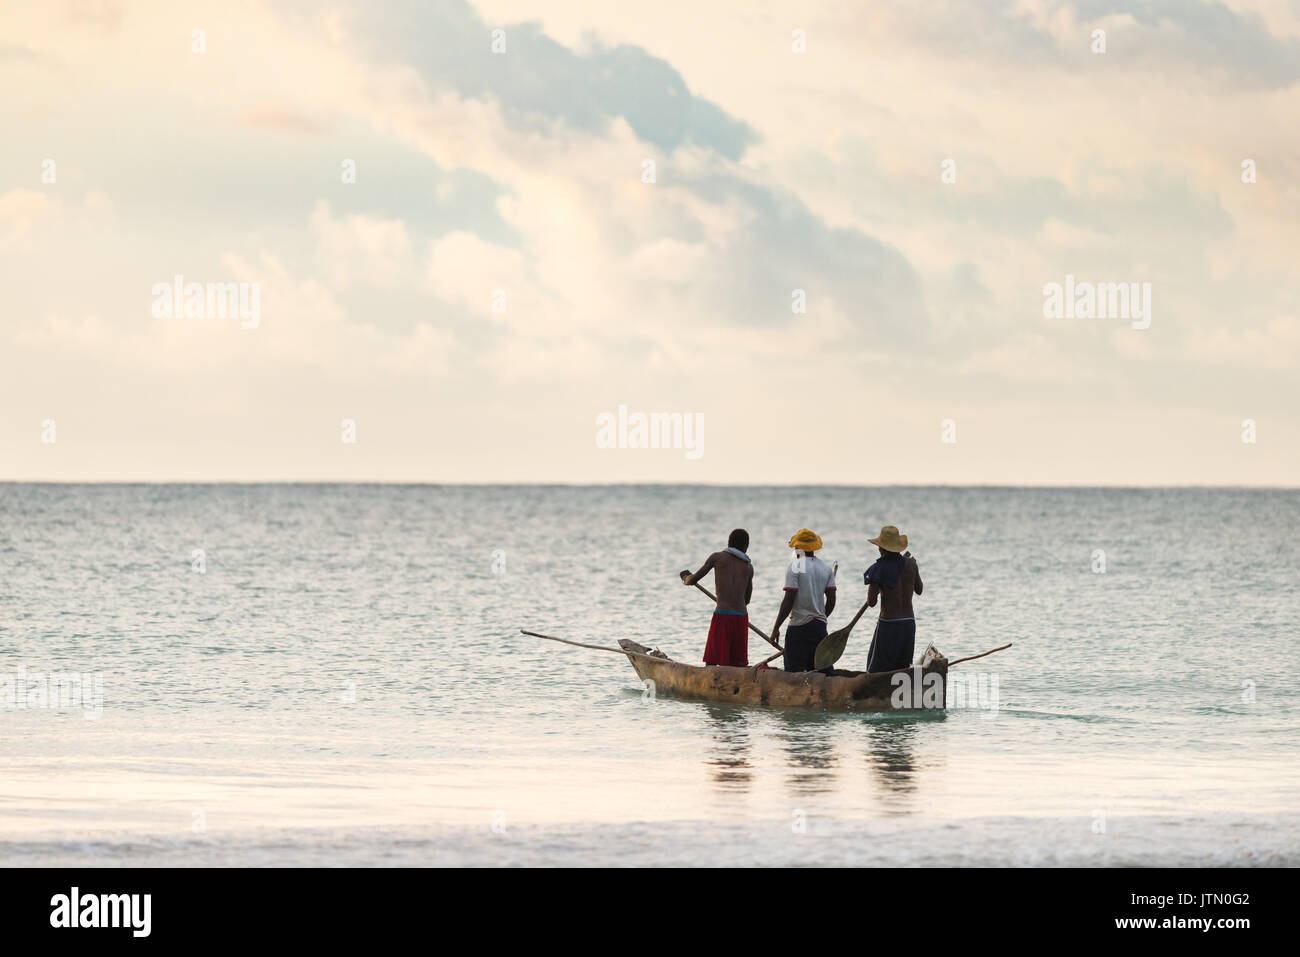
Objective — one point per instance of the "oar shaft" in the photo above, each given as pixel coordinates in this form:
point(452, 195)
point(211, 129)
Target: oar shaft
point(579, 644)
point(973, 657)
point(751, 624)
point(864, 607)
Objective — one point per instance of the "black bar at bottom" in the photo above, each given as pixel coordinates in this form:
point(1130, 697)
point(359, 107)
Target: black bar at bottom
point(332, 907)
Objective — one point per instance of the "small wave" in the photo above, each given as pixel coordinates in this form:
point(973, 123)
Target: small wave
point(1085, 718)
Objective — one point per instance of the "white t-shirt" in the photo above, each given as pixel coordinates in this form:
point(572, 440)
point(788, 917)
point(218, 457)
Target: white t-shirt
point(809, 576)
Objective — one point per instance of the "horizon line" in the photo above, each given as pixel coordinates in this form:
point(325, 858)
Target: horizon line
point(645, 484)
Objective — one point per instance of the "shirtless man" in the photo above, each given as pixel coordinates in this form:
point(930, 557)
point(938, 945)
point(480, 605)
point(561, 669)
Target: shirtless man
point(733, 576)
point(892, 579)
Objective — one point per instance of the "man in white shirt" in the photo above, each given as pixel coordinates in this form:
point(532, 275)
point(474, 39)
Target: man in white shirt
point(809, 600)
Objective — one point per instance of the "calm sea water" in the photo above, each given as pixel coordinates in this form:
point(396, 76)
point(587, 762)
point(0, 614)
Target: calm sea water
point(341, 680)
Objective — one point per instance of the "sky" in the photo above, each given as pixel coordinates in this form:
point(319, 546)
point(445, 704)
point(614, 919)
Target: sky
point(471, 236)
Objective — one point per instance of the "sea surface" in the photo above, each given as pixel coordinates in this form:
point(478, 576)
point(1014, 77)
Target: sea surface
point(333, 675)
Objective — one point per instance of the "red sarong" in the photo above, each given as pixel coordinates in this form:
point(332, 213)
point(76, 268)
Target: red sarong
point(728, 640)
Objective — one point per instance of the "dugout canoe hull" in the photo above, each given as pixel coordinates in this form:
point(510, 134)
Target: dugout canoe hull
point(773, 687)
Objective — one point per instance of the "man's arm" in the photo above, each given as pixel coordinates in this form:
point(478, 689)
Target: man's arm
point(787, 605)
point(689, 579)
point(916, 573)
point(873, 592)
point(830, 601)
point(749, 584)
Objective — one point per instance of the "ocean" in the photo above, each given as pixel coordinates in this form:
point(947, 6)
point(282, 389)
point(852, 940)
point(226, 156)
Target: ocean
point(333, 675)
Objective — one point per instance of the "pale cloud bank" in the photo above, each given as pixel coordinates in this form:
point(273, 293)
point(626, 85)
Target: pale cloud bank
point(466, 251)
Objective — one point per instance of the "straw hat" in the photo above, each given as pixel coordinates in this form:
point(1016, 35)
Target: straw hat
point(805, 540)
point(890, 540)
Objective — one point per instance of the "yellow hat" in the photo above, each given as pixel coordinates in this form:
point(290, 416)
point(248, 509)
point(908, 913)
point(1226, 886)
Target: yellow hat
point(805, 540)
point(889, 539)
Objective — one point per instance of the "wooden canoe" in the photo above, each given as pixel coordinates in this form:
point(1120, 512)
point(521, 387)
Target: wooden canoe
point(838, 691)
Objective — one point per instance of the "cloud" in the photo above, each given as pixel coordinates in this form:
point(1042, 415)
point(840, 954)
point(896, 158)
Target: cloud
point(17, 52)
point(1207, 39)
point(466, 269)
point(360, 248)
point(774, 173)
point(537, 80)
point(21, 211)
point(105, 16)
point(277, 116)
point(1275, 346)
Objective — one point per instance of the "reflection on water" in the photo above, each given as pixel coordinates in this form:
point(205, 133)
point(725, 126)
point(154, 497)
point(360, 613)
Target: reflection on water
point(808, 741)
point(729, 753)
point(893, 760)
point(746, 745)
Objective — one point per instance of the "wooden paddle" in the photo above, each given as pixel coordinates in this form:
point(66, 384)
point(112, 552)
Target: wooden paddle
point(973, 657)
point(751, 624)
point(579, 644)
point(831, 647)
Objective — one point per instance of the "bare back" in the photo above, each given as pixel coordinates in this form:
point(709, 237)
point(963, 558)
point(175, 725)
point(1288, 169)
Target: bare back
point(896, 602)
point(734, 578)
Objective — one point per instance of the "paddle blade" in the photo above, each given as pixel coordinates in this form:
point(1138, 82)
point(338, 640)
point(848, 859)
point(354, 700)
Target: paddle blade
point(830, 648)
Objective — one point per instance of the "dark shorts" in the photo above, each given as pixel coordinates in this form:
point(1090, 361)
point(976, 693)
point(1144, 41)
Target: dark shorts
point(892, 644)
point(801, 644)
